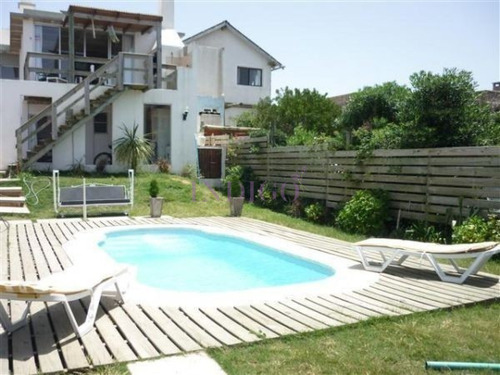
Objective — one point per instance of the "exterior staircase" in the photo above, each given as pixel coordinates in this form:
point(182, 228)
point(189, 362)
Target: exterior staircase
point(12, 200)
point(80, 104)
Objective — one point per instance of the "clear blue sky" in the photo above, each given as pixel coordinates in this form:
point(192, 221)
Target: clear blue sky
point(340, 47)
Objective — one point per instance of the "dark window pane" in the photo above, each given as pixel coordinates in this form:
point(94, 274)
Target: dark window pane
point(116, 47)
point(8, 72)
point(249, 76)
point(98, 46)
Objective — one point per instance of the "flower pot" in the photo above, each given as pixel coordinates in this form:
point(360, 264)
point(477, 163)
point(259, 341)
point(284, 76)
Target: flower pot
point(156, 205)
point(236, 206)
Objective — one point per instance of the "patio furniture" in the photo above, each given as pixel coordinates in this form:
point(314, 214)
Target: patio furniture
point(395, 252)
point(86, 195)
point(72, 284)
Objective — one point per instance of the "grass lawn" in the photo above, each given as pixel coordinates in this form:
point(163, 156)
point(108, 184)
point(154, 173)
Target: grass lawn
point(398, 345)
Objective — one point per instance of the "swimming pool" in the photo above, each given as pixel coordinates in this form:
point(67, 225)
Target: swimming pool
point(191, 260)
point(184, 282)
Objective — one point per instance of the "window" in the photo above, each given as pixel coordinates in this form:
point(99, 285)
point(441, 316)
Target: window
point(101, 123)
point(9, 72)
point(249, 76)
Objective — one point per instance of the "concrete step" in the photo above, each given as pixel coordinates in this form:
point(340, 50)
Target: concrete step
point(12, 201)
point(14, 210)
point(9, 180)
point(11, 191)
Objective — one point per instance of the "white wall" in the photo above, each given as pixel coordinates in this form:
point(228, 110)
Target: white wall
point(237, 53)
point(11, 114)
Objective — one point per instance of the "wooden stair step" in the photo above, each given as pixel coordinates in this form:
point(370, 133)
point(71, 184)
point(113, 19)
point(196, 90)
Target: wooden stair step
point(11, 191)
point(14, 210)
point(12, 201)
point(5, 180)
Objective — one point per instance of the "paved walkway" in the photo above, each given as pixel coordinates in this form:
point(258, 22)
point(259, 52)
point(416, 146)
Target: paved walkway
point(132, 332)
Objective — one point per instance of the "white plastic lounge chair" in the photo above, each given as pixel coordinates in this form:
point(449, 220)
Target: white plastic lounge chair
point(69, 285)
point(397, 251)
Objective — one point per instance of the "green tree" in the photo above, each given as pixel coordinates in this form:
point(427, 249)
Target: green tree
point(311, 110)
point(443, 110)
point(380, 102)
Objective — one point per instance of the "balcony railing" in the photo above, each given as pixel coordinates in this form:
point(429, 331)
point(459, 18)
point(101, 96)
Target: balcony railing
point(55, 68)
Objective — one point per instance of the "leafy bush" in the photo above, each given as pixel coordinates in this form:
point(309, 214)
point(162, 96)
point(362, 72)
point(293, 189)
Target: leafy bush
point(421, 231)
point(268, 196)
point(233, 179)
point(154, 189)
point(163, 165)
point(189, 171)
point(315, 212)
point(295, 208)
point(476, 229)
point(365, 213)
point(132, 148)
point(237, 175)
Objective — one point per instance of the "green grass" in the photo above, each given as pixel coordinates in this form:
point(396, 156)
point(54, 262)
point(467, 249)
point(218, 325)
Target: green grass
point(378, 346)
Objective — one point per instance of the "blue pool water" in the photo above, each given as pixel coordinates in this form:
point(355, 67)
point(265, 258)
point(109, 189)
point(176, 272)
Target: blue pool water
point(182, 259)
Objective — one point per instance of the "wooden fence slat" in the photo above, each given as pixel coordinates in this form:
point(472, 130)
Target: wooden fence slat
point(423, 184)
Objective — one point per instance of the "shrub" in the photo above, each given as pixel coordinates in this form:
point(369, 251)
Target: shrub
point(153, 188)
point(132, 148)
point(233, 179)
point(295, 208)
point(236, 175)
point(189, 171)
point(163, 165)
point(421, 231)
point(365, 213)
point(315, 212)
point(476, 229)
point(268, 196)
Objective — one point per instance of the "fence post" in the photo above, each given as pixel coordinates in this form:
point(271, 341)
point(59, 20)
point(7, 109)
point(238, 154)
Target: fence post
point(327, 174)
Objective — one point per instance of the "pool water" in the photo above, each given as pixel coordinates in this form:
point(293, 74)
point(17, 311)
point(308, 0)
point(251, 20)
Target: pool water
point(190, 260)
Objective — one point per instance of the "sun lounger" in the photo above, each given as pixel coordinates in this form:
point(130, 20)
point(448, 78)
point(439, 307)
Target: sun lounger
point(395, 252)
point(69, 285)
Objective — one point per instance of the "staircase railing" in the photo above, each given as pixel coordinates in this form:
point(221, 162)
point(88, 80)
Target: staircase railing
point(124, 69)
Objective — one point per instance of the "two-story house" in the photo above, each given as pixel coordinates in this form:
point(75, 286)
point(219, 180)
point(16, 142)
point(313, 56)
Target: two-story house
point(72, 80)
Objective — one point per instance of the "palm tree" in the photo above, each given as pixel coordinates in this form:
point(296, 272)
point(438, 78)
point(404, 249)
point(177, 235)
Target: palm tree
point(131, 149)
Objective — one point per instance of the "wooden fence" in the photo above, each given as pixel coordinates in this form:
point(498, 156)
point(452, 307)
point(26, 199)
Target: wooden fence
point(424, 184)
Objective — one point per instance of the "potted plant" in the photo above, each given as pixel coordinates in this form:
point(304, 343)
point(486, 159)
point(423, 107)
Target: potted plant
point(155, 202)
point(234, 192)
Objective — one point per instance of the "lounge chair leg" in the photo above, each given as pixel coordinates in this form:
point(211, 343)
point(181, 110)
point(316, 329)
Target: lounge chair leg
point(377, 268)
point(9, 325)
point(86, 326)
point(471, 270)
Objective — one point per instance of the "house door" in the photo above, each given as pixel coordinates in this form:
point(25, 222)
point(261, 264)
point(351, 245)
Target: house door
point(35, 106)
point(157, 129)
point(210, 161)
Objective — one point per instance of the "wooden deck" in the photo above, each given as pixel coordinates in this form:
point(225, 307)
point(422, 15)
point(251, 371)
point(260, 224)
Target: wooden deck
point(130, 332)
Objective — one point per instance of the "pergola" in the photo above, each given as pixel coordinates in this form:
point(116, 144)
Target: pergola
point(84, 17)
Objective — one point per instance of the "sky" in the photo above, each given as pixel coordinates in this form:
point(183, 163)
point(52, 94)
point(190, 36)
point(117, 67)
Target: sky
point(338, 47)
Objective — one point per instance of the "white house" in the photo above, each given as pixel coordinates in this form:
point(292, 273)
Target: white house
point(71, 81)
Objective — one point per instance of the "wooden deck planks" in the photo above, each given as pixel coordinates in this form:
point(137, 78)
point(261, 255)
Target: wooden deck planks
point(130, 332)
point(169, 328)
point(4, 275)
